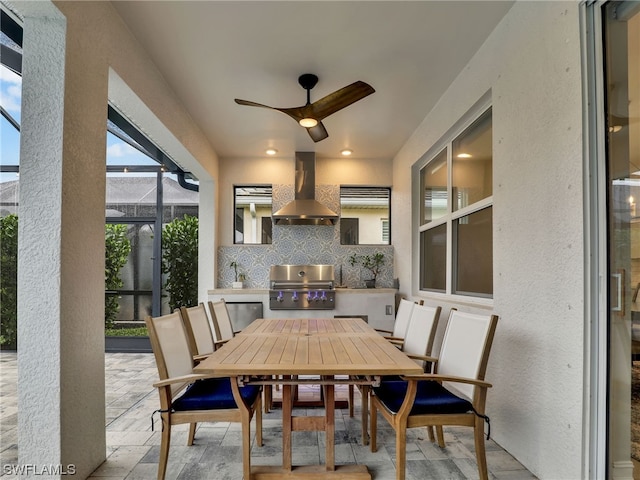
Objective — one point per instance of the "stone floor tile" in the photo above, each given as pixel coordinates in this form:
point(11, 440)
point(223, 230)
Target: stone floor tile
point(133, 448)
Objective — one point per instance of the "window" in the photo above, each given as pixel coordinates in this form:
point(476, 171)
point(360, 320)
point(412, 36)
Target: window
point(456, 214)
point(364, 215)
point(252, 218)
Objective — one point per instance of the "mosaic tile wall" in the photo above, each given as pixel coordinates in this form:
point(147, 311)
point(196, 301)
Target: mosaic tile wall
point(300, 245)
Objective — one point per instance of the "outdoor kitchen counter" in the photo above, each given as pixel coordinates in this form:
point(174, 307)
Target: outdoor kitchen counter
point(378, 304)
point(265, 291)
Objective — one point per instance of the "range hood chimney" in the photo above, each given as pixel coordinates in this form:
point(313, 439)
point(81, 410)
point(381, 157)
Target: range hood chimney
point(305, 209)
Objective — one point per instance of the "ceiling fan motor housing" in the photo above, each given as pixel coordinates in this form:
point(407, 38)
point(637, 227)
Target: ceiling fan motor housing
point(307, 80)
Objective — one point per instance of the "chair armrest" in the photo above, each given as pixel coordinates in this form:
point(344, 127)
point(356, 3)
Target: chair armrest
point(448, 378)
point(219, 343)
point(181, 379)
point(425, 358)
point(199, 358)
point(383, 331)
point(393, 339)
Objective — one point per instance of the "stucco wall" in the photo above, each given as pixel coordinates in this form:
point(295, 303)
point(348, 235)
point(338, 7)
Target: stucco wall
point(72, 66)
point(530, 65)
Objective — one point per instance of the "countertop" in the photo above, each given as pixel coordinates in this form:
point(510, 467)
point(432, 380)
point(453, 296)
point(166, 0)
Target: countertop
point(265, 291)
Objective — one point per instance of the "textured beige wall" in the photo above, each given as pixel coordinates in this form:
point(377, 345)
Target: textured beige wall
point(72, 52)
point(531, 66)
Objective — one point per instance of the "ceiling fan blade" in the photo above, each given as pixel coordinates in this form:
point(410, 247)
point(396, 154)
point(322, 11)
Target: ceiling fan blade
point(339, 99)
point(322, 108)
point(252, 104)
point(297, 113)
point(318, 132)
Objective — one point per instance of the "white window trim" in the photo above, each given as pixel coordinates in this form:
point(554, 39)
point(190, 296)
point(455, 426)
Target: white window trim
point(445, 142)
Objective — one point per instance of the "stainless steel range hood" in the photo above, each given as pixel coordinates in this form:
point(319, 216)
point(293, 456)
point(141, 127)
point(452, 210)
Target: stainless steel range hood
point(305, 209)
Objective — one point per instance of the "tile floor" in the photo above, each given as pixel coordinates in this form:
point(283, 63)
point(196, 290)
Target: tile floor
point(132, 448)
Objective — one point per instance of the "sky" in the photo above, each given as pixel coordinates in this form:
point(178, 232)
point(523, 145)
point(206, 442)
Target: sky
point(10, 95)
point(118, 152)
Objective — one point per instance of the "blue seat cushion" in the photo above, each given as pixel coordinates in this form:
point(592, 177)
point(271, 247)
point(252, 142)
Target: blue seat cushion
point(213, 394)
point(431, 398)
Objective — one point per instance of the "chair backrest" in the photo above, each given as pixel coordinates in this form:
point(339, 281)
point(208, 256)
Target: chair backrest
point(421, 330)
point(221, 320)
point(465, 348)
point(170, 346)
point(199, 333)
point(405, 307)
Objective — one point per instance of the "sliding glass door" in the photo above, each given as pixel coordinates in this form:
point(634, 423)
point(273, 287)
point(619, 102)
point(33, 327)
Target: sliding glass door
point(621, 54)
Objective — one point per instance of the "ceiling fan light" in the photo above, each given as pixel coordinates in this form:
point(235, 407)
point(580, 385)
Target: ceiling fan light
point(308, 122)
point(346, 152)
point(271, 151)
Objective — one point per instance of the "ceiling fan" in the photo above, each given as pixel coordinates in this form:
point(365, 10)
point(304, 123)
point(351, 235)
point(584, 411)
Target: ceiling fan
point(310, 116)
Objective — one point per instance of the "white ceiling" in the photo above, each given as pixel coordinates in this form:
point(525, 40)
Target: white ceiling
point(211, 52)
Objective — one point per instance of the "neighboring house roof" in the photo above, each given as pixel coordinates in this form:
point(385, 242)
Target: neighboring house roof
point(142, 190)
point(120, 190)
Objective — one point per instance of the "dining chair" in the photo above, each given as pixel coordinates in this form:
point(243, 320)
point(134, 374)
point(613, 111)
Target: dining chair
point(420, 333)
point(403, 314)
point(186, 397)
point(222, 325)
point(396, 336)
point(454, 394)
point(199, 332)
point(223, 329)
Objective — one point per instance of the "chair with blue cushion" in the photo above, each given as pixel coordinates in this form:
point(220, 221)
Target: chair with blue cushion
point(221, 319)
point(454, 394)
point(199, 331)
point(420, 333)
point(403, 315)
point(186, 397)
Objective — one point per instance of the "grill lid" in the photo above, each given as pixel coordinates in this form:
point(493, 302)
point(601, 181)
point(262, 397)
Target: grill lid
point(304, 276)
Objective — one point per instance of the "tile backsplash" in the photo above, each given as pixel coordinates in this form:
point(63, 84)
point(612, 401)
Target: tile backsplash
point(301, 245)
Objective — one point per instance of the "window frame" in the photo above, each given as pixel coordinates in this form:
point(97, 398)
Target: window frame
point(260, 225)
point(380, 220)
point(446, 142)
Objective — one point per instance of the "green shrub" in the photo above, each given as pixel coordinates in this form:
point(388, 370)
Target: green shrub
point(9, 281)
point(126, 332)
point(117, 249)
point(180, 261)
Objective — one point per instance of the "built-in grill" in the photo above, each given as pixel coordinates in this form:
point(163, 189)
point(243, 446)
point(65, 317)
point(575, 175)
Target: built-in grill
point(302, 287)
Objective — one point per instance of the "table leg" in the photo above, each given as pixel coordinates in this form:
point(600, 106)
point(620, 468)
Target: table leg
point(287, 424)
point(330, 426)
point(364, 415)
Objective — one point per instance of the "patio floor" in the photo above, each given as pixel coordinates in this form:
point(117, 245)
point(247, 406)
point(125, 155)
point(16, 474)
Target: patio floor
point(132, 448)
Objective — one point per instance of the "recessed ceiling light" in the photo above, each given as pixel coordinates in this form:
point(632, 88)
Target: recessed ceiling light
point(346, 152)
point(464, 155)
point(271, 151)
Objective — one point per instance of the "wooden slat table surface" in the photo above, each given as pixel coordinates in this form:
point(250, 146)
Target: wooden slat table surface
point(323, 347)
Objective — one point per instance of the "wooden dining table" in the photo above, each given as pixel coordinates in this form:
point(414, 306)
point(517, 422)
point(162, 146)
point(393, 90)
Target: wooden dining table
point(325, 351)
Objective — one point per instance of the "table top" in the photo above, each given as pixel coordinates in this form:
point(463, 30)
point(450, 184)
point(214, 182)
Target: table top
point(308, 346)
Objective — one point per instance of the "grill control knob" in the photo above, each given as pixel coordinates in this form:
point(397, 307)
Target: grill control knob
point(294, 296)
point(323, 297)
point(280, 297)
